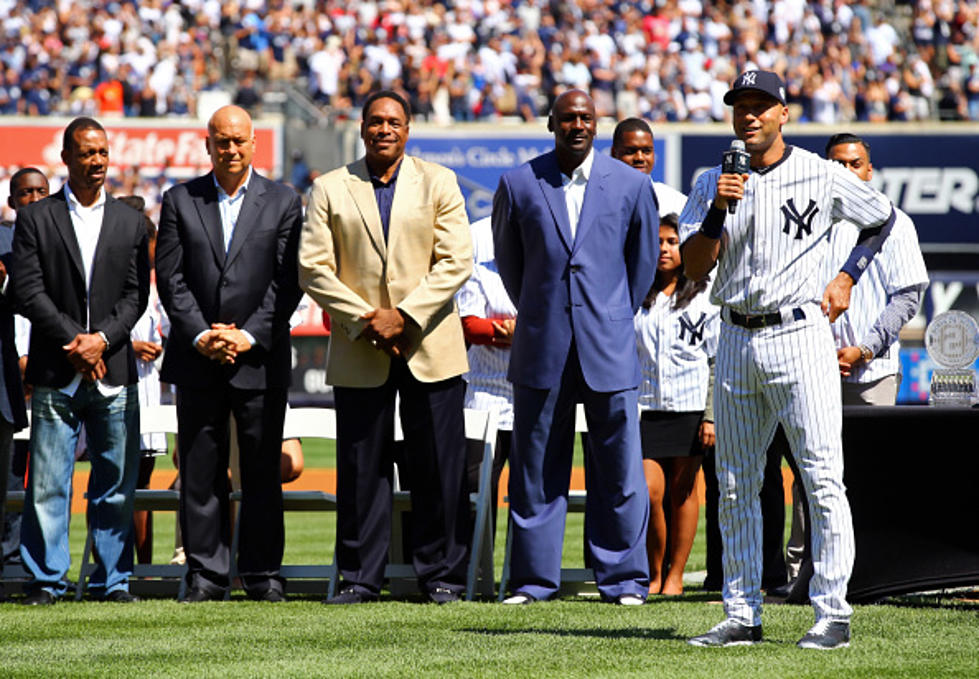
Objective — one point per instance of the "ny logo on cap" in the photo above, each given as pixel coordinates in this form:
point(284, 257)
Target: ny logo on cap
point(748, 79)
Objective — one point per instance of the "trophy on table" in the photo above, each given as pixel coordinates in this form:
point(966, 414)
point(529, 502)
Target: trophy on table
point(952, 341)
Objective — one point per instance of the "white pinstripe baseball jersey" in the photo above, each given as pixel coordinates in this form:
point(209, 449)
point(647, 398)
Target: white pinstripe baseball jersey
point(669, 199)
point(774, 245)
point(484, 296)
point(151, 327)
point(674, 347)
point(898, 266)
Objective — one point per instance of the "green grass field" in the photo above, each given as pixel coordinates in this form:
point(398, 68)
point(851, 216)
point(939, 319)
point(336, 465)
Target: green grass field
point(578, 637)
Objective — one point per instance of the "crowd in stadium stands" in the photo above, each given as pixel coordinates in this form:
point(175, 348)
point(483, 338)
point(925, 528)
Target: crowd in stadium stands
point(666, 60)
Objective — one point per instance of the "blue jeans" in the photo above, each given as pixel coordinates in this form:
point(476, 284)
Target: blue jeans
point(112, 433)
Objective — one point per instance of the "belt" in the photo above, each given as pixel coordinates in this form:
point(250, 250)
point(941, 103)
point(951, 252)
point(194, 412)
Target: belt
point(754, 321)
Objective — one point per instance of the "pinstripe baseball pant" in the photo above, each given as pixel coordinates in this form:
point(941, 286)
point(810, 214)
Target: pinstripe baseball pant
point(786, 374)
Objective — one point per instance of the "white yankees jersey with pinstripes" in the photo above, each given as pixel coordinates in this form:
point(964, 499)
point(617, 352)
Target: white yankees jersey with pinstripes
point(674, 348)
point(669, 199)
point(898, 266)
point(484, 296)
point(774, 245)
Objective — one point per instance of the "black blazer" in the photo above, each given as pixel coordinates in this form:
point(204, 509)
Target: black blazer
point(253, 286)
point(48, 282)
point(12, 406)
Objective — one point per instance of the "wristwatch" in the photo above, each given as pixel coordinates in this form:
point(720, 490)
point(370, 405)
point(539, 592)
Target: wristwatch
point(104, 338)
point(866, 353)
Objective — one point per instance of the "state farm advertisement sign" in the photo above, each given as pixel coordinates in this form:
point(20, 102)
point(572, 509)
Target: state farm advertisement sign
point(149, 146)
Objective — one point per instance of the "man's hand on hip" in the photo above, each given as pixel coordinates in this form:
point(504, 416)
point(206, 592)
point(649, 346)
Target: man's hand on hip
point(836, 298)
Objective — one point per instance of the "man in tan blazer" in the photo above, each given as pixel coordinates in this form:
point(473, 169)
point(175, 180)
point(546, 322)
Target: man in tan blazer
point(384, 248)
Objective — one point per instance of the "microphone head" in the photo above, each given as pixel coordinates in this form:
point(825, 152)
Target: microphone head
point(737, 145)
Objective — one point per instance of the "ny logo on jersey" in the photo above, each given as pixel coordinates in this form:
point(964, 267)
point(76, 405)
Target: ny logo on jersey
point(696, 328)
point(803, 221)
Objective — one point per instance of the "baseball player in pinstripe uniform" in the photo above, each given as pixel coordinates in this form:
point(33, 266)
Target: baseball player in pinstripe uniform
point(776, 360)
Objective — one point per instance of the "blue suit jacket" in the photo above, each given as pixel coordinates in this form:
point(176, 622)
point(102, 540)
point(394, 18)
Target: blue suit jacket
point(587, 289)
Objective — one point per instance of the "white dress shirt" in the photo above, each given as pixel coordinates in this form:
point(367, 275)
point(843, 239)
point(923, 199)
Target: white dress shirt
point(87, 223)
point(574, 190)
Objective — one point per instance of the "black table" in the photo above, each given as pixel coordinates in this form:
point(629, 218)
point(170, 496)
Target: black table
point(912, 478)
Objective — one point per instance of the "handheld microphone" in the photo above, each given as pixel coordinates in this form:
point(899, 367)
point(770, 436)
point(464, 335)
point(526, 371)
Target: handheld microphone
point(735, 161)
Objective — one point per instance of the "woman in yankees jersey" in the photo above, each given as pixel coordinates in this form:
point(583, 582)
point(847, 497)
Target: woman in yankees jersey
point(776, 359)
point(676, 333)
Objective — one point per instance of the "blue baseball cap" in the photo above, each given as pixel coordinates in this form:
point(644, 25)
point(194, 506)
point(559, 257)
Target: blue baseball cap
point(762, 81)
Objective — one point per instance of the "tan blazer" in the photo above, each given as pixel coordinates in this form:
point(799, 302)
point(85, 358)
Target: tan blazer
point(348, 269)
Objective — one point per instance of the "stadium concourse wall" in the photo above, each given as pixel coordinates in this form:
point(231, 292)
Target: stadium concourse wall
point(931, 171)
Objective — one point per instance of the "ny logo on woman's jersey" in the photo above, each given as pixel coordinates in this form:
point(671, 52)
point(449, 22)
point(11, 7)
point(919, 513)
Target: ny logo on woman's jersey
point(696, 328)
point(803, 221)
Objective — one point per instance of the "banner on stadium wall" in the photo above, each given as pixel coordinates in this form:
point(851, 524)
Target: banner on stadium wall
point(480, 160)
point(151, 147)
point(933, 176)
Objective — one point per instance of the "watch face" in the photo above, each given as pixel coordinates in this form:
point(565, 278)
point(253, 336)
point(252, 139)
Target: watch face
point(952, 339)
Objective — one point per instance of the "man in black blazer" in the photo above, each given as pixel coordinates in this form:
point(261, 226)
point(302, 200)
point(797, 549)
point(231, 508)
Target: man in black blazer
point(226, 272)
point(81, 276)
point(27, 186)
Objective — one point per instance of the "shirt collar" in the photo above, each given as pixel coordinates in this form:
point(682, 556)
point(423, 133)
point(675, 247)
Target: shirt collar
point(241, 190)
point(73, 202)
point(376, 180)
point(584, 170)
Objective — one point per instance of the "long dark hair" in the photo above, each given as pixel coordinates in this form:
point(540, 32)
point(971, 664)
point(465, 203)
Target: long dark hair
point(686, 289)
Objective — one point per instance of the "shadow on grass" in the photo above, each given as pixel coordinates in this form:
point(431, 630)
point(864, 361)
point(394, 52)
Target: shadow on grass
point(664, 634)
point(962, 601)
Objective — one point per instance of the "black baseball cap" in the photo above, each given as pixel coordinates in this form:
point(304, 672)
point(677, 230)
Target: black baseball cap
point(763, 81)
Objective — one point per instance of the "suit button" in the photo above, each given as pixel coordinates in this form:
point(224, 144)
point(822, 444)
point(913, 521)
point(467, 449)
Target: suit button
point(575, 268)
point(224, 282)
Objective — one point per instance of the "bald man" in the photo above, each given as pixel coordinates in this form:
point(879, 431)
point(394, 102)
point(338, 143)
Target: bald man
point(226, 271)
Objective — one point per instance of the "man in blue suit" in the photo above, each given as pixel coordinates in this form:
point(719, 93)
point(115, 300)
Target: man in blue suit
point(576, 245)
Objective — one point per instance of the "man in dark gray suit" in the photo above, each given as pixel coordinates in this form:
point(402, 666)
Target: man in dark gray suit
point(226, 272)
point(80, 274)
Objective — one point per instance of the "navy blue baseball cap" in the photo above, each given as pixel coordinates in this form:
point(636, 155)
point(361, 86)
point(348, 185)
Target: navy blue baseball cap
point(762, 81)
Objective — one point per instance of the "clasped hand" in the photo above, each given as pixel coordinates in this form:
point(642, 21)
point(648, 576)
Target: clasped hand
point(223, 342)
point(385, 331)
point(85, 354)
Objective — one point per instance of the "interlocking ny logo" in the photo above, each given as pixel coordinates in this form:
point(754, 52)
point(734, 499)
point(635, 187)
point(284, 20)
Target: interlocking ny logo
point(696, 329)
point(803, 221)
point(748, 79)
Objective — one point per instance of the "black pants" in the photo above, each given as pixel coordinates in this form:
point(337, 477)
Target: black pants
point(434, 470)
point(202, 442)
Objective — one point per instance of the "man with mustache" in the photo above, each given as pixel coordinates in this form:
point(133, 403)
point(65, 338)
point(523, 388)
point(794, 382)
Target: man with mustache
point(575, 235)
point(81, 276)
point(385, 247)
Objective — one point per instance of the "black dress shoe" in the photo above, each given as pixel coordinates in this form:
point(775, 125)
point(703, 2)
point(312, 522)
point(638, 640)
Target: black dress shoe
point(272, 596)
point(39, 597)
point(120, 596)
point(443, 595)
point(196, 596)
point(351, 595)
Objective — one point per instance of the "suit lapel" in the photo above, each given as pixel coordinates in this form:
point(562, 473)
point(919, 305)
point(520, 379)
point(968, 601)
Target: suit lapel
point(105, 233)
point(362, 191)
point(405, 195)
point(62, 221)
point(206, 203)
point(594, 197)
point(550, 184)
point(251, 207)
